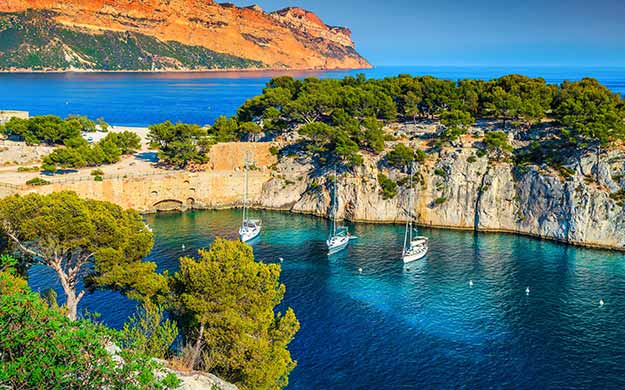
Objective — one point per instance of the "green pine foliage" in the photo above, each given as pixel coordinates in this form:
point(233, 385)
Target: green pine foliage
point(401, 156)
point(388, 187)
point(226, 304)
point(82, 240)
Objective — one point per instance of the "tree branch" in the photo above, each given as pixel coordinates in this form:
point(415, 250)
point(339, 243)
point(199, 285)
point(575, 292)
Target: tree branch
point(37, 256)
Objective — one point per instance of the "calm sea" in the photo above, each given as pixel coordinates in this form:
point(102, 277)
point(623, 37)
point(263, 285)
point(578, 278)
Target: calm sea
point(390, 326)
point(422, 325)
point(141, 99)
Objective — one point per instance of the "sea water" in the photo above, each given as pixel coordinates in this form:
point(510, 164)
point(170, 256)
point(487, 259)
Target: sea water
point(368, 321)
point(391, 326)
point(141, 99)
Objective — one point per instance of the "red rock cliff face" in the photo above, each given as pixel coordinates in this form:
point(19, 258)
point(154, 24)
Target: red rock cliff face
point(289, 38)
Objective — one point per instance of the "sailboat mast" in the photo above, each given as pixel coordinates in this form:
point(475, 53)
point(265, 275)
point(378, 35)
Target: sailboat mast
point(408, 232)
point(245, 195)
point(410, 200)
point(335, 205)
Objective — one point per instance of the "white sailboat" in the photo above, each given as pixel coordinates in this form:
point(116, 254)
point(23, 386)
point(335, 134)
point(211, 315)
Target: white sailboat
point(339, 238)
point(250, 228)
point(415, 247)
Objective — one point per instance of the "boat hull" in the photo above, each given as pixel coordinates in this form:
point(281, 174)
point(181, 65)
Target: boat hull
point(246, 235)
point(407, 258)
point(337, 244)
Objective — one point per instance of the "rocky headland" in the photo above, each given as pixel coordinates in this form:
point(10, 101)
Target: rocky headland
point(159, 35)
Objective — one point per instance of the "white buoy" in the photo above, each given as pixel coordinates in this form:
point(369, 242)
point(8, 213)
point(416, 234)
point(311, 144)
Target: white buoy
point(527, 290)
point(360, 270)
point(471, 282)
point(601, 303)
point(281, 259)
point(182, 246)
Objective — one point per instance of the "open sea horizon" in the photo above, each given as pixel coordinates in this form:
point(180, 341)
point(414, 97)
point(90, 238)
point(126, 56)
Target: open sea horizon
point(142, 99)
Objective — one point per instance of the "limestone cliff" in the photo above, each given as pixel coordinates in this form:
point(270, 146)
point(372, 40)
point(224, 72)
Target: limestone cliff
point(458, 190)
point(169, 34)
point(453, 189)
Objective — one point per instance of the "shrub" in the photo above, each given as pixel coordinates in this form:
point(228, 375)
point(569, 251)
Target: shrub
point(440, 172)
point(440, 200)
point(98, 178)
point(27, 169)
point(148, 332)
point(37, 181)
point(388, 186)
point(401, 156)
point(497, 144)
point(97, 172)
point(471, 159)
point(420, 156)
point(274, 151)
point(42, 349)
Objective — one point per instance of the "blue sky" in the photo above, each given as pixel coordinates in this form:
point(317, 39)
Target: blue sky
point(477, 32)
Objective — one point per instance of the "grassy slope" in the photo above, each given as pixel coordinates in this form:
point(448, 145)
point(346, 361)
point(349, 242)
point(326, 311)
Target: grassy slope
point(33, 40)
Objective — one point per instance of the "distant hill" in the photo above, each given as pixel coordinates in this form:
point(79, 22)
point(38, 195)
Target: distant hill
point(166, 35)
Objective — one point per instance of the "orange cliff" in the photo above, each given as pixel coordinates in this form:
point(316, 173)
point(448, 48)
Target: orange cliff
point(289, 38)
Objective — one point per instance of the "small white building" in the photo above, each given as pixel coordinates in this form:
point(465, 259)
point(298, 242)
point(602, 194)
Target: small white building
point(6, 115)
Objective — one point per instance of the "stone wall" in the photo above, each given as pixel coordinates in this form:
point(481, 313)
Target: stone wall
point(6, 115)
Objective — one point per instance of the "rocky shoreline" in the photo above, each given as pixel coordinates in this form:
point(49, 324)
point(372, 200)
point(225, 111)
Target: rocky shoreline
point(455, 190)
point(459, 191)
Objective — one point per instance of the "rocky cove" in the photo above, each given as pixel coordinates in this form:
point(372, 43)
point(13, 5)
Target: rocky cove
point(454, 189)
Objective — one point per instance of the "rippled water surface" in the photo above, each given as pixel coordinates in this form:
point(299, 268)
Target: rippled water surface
point(422, 325)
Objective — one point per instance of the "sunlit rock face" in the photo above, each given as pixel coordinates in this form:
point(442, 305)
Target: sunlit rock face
point(289, 38)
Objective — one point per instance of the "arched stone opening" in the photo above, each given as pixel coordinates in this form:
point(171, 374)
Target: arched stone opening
point(168, 205)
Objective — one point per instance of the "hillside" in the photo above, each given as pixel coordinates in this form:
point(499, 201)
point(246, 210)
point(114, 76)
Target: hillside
point(167, 35)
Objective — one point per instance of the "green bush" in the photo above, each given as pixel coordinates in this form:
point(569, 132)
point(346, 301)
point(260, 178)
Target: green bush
point(97, 172)
point(497, 144)
point(401, 156)
point(43, 349)
point(98, 178)
point(148, 332)
point(440, 172)
point(37, 181)
point(27, 169)
point(440, 200)
point(388, 186)
point(273, 150)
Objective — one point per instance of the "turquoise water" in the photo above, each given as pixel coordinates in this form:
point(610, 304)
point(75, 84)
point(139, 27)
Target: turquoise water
point(391, 326)
point(141, 99)
point(421, 325)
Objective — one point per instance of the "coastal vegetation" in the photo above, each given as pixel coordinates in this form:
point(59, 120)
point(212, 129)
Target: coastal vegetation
point(49, 129)
point(43, 349)
point(333, 114)
point(227, 300)
point(73, 151)
point(221, 305)
point(81, 240)
point(339, 120)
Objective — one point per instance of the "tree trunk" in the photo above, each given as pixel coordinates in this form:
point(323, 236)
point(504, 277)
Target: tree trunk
point(197, 348)
point(69, 288)
point(72, 305)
